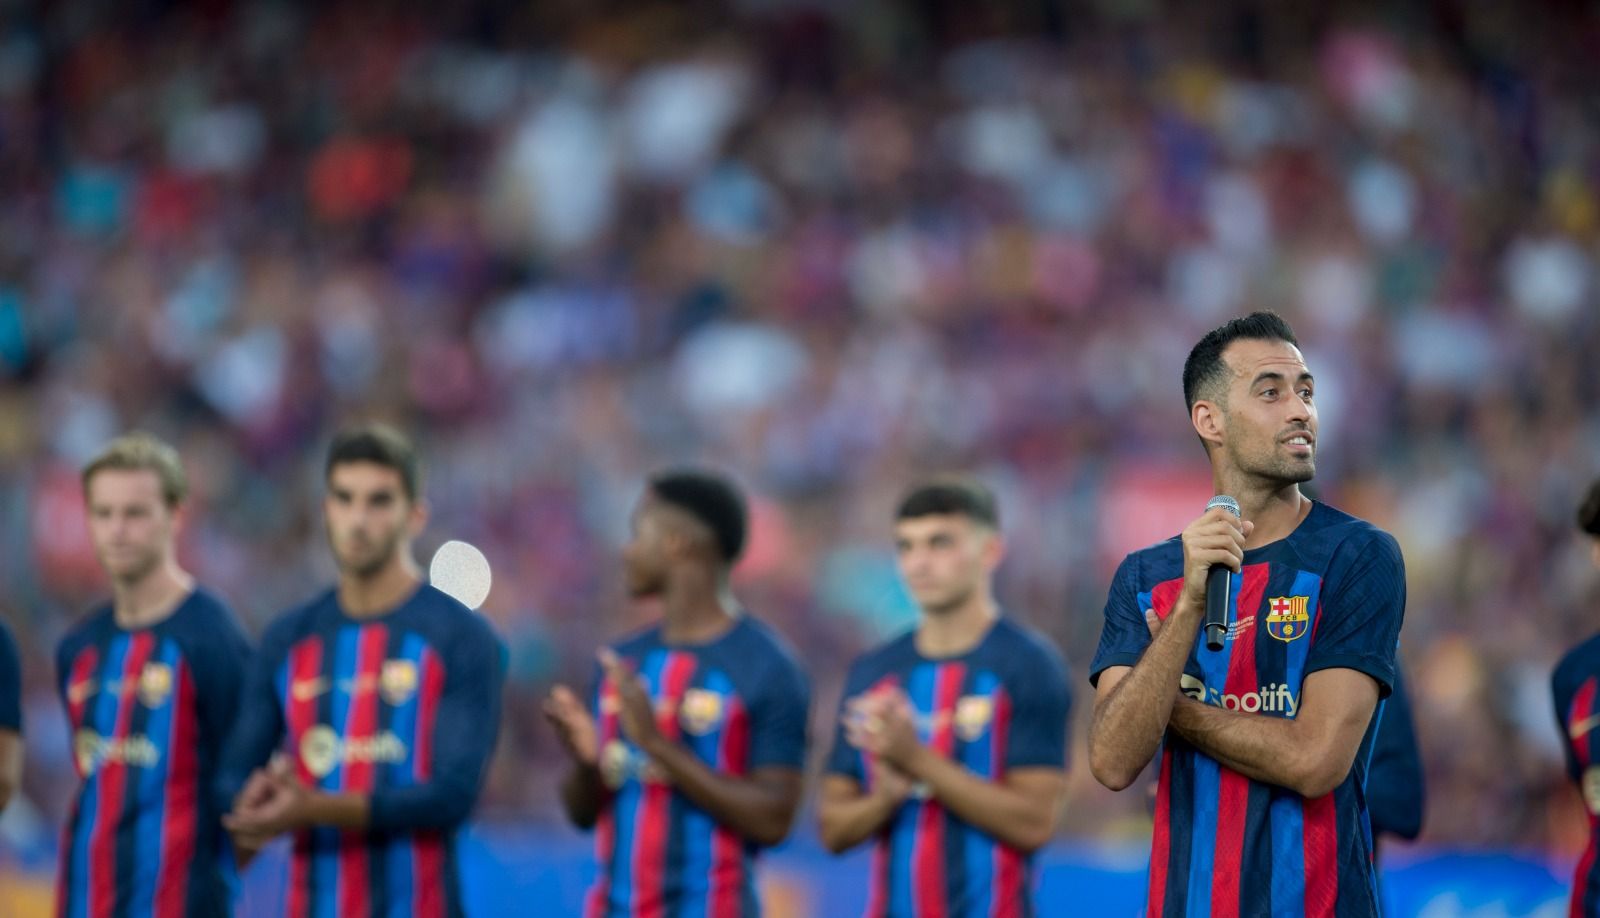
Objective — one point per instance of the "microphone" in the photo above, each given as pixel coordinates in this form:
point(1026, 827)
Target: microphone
point(1219, 583)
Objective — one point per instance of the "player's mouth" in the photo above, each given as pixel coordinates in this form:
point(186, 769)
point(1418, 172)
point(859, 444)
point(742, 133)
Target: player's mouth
point(1301, 444)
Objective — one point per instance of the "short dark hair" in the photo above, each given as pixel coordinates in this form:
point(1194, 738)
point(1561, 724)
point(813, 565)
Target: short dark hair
point(1205, 368)
point(1589, 510)
point(379, 444)
point(710, 498)
point(953, 495)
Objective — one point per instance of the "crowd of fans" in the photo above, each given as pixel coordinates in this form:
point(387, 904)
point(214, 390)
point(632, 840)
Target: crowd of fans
point(826, 247)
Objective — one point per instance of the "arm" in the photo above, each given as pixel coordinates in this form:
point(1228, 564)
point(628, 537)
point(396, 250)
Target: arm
point(1019, 811)
point(582, 795)
point(10, 765)
point(1134, 702)
point(849, 815)
point(583, 791)
point(466, 726)
point(759, 807)
point(1132, 705)
point(1310, 754)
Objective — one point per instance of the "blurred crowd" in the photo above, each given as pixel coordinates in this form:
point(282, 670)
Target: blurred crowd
point(827, 247)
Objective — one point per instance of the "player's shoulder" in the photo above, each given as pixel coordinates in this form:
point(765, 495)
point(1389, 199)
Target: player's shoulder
point(1346, 535)
point(1577, 664)
point(298, 621)
point(638, 642)
point(895, 655)
point(757, 646)
point(87, 630)
point(1023, 646)
point(441, 610)
point(1155, 563)
point(208, 613)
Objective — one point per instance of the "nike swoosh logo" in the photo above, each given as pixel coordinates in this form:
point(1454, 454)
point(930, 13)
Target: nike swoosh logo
point(1582, 727)
point(307, 689)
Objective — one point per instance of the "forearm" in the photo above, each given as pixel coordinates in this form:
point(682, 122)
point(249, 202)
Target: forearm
point(755, 812)
point(336, 810)
point(1013, 818)
point(1128, 724)
point(582, 793)
point(845, 822)
point(1266, 749)
point(10, 765)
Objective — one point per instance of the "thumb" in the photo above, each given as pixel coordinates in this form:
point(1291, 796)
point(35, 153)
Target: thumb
point(1247, 527)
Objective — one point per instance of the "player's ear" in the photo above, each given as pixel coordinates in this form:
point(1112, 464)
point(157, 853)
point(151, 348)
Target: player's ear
point(994, 548)
point(417, 520)
point(1206, 416)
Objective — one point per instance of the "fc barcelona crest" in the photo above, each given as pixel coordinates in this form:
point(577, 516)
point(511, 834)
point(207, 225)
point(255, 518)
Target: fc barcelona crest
point(1288, 617)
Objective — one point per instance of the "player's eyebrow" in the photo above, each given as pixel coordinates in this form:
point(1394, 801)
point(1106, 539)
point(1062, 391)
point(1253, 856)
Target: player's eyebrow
point(1275, 376)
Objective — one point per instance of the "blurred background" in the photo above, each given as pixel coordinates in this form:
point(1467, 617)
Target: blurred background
point(827, 246)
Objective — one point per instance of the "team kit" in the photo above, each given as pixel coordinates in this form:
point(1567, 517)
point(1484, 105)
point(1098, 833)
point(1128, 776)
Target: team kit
point(1246, 679)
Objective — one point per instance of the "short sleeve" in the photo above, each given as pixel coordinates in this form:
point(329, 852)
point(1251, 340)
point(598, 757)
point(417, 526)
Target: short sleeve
point(1563, 688)
point(1363, 603)
point(1125, 634)
point(1041, 704)
point(778, 717)
point(10, 683)
point(1395, 784)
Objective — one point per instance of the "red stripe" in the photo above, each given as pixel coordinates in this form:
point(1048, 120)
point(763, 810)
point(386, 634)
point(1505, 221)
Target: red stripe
point(428, 880)
point(1007, 860)
point(361, 723)
point(84, 666)
point(1234, 802)
point(1581, 709)
point(1162, 598)
point(929, 896)
point(305, 666)
point(650, 825)
point(727, 851)
point(178, 821)
point(605, 830)
point(1580, 878)
point(1161, 837)
point(1321, 855)
point(112, 775)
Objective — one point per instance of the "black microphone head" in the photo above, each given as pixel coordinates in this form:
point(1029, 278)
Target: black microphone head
point(1225, 502)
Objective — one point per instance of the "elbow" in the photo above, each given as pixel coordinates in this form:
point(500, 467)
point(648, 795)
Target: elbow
point(772, 830)
point(832, 834)
point(1031, 838)
point(7, 789)
point(1115, 775)
point(1315, 777)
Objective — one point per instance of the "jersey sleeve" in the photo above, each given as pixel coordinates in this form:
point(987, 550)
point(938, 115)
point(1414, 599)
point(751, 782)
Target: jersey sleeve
point(258, 717)
point(1563, 688)
point(221, 667)
point(465, 728)
point(1041, 703)
point(1125, 634)
point(843, 758)
point(1395, 790)
point(10, 683)
point(1362, 607)
point(779, 718)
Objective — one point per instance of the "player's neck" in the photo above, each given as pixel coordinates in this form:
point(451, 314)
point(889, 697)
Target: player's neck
point(1275, 508)
point(953, 632)
point(380, 593)
point(151, 599)
point(697, 613)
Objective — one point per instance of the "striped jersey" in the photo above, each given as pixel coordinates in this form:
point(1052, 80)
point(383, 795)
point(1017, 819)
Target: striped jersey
point(738, 703)
point(402, 707)
point(148, 711)
point(1574, 685)
point(1330, 595)
point(1002, 705)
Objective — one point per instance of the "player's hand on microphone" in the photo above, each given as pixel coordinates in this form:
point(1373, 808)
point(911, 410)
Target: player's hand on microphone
point(1215, 539)
point(573, 725)
point(635, 713)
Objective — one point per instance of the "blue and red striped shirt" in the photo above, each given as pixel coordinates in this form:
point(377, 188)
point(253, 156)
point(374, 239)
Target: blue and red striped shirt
point(1000, 706)
point(149, 710)
point(739, 704)
point(1575, 686)
point(1330, 595)
point(404, 708)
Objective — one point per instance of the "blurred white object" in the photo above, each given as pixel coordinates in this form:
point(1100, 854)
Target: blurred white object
point(462, 571)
